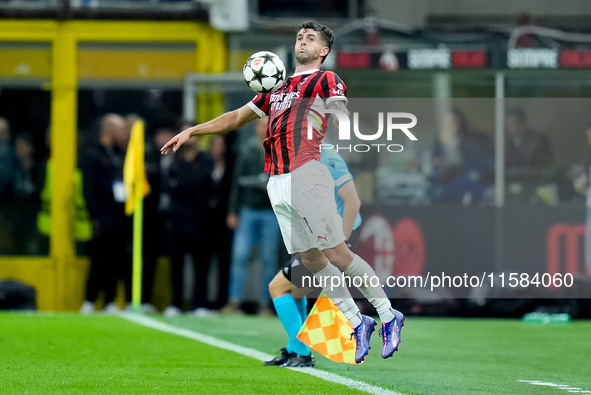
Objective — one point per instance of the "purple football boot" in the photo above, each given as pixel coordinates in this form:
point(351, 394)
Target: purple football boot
point(362, 335)
point(390, 333)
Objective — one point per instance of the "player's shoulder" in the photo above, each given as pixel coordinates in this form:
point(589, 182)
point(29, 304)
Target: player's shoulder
point(332, 84)
point(330, 75)
point(330, 157)
point(336, 166)
point(327, 73)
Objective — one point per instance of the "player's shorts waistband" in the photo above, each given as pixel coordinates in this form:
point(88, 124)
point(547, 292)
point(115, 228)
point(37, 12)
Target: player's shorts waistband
point(310, 164)
point(278, 177)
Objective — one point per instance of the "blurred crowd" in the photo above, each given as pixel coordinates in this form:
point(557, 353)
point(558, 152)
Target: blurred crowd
point(21, 181)
point(460, 168)
point(207, 207)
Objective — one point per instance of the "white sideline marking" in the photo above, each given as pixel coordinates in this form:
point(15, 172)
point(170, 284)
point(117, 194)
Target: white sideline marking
point(573, 390)
point(250, 352)
point(241, 333)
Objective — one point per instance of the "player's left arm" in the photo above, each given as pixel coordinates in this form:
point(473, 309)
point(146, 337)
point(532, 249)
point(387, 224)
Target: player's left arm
point(334, 92)
point(340, 105)
point(348, 193)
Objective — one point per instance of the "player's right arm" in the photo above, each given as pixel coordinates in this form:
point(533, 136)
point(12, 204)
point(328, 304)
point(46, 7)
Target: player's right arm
point(348, 193)
point(224, 123)
point(345, 188)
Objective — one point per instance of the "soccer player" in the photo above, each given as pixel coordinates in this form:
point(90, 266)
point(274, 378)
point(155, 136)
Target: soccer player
point(301, 189)
point(291, 303)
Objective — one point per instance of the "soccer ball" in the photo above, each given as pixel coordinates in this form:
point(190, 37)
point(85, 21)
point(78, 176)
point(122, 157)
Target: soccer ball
point(264, 72)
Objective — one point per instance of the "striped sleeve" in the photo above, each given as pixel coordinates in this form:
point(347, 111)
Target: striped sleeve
point(260, 104)
point(333, 88)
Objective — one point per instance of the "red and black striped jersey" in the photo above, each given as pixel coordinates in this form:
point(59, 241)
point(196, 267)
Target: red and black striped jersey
point(287, 145)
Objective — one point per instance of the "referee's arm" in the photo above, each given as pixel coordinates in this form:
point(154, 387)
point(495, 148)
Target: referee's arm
point(352, 205)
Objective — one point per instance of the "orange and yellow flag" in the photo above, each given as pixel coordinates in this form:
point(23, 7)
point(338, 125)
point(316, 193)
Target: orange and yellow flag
point(328, 332)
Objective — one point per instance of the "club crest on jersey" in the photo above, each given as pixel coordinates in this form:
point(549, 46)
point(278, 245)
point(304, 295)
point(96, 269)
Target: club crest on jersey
point(339, 91)
point(303, 80)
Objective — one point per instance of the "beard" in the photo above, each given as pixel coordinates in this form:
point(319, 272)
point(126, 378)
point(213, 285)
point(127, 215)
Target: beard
point(306, 57)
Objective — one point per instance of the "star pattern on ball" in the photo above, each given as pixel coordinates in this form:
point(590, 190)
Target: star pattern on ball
point(268, 58)
point(267, 76)
point(258, 75)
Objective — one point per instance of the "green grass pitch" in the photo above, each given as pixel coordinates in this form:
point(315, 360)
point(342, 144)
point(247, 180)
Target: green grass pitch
point(66, 353)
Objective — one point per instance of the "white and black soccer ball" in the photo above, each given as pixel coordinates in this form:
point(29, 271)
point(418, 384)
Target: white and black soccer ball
point(264, 72)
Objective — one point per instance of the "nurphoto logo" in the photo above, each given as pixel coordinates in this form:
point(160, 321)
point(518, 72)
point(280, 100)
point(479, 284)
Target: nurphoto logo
point(344, 128)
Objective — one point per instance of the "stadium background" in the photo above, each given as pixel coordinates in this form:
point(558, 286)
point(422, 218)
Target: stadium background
point(65, 63)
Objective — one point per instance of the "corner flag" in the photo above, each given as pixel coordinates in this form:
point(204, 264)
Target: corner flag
point(133, 169)
point(136, 186)
point(328, 332)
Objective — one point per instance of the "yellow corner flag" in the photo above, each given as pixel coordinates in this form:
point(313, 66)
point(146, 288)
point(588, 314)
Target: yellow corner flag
point(133, 169)
point(328, 332)
point(136, 185)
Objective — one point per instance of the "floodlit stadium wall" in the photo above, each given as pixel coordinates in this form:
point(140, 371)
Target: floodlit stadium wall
point(62, 56)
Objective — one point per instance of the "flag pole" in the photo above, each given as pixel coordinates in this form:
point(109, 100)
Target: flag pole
point(136, 185)
point(138, 217)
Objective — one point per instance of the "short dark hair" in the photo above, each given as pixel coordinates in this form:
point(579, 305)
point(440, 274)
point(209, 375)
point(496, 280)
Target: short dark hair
point(325, 33)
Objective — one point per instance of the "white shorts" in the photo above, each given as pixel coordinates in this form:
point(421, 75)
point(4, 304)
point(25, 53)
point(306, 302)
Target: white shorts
point(304, 204)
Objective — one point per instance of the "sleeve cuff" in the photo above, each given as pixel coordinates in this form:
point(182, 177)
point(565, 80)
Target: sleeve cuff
point(257, 110)
point(333, 98)
point(343, 180)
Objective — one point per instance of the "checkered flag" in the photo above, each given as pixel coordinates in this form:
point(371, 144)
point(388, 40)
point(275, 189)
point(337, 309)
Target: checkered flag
point(328, 332)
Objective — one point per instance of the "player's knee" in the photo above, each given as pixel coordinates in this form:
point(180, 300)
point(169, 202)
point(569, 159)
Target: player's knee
point(336, 259)
point(273, 289)
point(332, 256)
point(314, 260)
point(277, 288)
point(339, 256)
